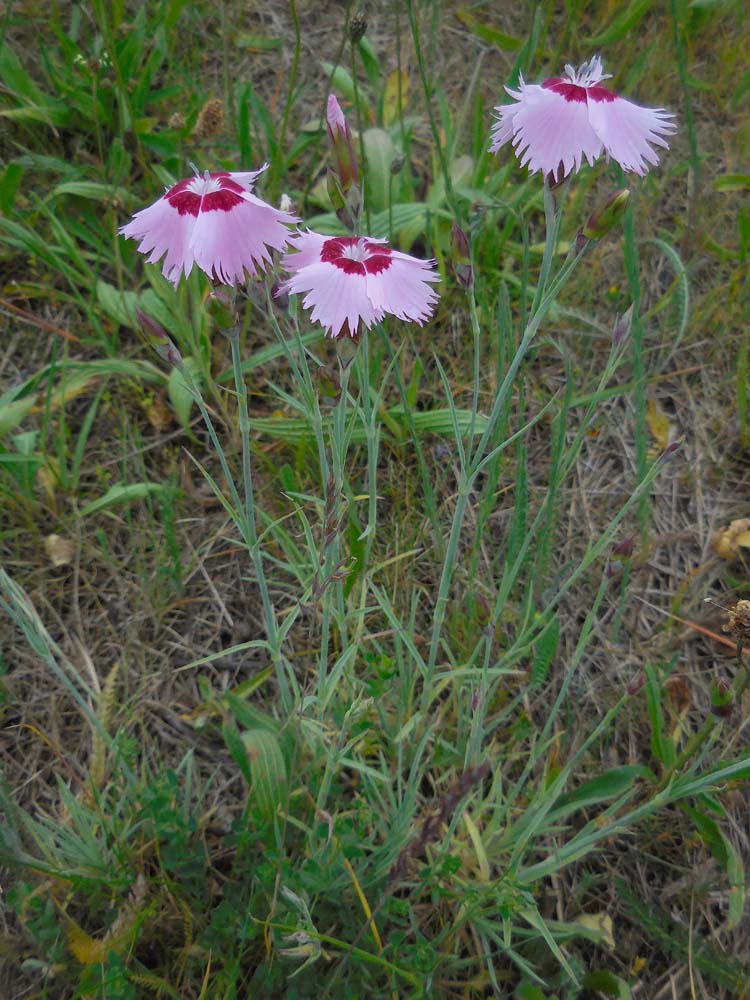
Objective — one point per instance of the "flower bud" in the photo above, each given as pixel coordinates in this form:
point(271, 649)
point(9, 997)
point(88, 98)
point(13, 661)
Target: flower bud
point(607, 217)
point(158, 338)
point(220, 307)
point(636, 683)
point(329, 384)
point(346, 347)
point(461, 255)
point(334, 191)
point(621, 329)
point(624, 548)
point(343, 146)
point(397, 164)
point(280, 295)
point(722, 699)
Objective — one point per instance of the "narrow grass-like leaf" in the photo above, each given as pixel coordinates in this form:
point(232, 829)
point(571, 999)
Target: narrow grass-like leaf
point(624, 22)
point(544, 652)
point(123, 493)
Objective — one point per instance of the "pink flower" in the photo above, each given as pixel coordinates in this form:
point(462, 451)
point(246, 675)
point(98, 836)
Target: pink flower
point(353, 279)
point(213, 221)
point(555, 124)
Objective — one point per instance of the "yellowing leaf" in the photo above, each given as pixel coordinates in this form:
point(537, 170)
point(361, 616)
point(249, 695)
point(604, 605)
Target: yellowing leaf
point(60, 551)
point(601, 925)
point(659, 425)
point(728, 541)
point(390, 97)
point(86, 949)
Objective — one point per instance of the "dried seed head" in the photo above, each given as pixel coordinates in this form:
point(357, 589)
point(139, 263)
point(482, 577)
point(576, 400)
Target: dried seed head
point(210, 120)
point(738, 624)
point(357, 26)
point(176, 121)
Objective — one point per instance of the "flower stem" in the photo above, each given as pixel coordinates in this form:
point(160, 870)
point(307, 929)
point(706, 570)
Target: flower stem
point(547, 291)
point(251, 532)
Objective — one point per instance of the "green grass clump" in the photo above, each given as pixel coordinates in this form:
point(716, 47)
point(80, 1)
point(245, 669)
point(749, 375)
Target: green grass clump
point(384, 672)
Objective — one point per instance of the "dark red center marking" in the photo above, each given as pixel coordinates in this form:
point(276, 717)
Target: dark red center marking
point(572, 92)
point(333, 252)
point(187, 202)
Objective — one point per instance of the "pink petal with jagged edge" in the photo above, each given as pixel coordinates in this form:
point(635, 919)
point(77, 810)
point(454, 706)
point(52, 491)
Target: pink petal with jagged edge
point(629, 132)
point(404, 287)
point(549, 130)
point(336, 298)
point(212, 221)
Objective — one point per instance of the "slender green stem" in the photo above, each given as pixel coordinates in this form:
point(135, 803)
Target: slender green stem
point(427, 89)
point(372, 437)
point(339, 446)
point(360, 133)
point(633, 270)
point(251, 531)
point(278, 163)
point(547, 292)
point(477, 338)
point(191, 383)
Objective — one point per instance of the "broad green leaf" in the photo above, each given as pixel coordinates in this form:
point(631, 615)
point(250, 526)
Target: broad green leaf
point(603, 981)
point(439, 421)
point(662, 746)
point(380, 153)
point(181, 393)
point(124, 493)
point(10, 179)
point(341, 81)
point(604, 787)
point(11, 414)
point(268, 770)
point(94, 191)
point(726, 856)
point(369, 59)
point(732, 182)
point(119, 305)
point(258, 43)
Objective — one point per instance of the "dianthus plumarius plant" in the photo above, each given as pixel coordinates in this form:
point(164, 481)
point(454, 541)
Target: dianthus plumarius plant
point(402, 782)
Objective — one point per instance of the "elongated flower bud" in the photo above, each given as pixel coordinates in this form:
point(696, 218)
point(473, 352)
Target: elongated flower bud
point(622, 327)
point(607, 217)
point(722, 698)
point(158, 338)
point(343, 147)
point(220, 307)
point(461, 254)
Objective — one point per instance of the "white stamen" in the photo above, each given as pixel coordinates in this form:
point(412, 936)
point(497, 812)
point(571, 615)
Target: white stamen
point(588, 74)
